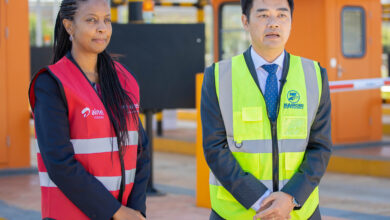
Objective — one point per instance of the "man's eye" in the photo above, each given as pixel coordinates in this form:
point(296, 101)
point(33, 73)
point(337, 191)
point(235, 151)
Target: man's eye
point(91, 20)
point(107, 20)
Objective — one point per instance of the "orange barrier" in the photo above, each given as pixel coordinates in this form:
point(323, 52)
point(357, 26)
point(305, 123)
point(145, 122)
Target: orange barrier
point(14, 79)
point(202, 170)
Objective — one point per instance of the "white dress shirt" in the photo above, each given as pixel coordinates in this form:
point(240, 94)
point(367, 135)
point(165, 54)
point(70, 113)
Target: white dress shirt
point(262, 75)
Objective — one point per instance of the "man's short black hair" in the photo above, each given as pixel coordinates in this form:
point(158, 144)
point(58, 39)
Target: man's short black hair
point(246, 6)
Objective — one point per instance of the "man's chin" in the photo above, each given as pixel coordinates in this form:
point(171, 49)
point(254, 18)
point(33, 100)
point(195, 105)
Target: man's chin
point(278, 46)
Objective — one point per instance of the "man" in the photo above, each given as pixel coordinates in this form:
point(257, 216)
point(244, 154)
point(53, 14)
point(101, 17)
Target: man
point(266, 123)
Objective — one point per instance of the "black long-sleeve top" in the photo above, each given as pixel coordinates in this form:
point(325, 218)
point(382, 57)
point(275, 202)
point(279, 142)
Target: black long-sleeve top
point(79, 186)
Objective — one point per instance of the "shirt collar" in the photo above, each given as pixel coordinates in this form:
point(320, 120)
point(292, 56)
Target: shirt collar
point(258, 61)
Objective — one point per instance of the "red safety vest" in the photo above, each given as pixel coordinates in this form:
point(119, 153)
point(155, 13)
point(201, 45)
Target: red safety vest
point(91, 135)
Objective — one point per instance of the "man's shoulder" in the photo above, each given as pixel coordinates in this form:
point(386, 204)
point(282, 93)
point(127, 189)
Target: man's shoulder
point(210, 69)
point(323, 69)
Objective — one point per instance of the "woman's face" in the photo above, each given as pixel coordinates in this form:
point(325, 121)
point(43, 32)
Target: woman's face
point(91, 26)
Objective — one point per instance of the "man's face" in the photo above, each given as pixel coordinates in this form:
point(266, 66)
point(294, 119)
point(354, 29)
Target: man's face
point(269, 24)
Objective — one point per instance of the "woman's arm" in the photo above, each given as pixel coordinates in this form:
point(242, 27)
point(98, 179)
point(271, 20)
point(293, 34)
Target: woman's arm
point(137, 198)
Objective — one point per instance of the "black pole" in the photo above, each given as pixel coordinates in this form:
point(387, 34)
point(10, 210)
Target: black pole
point(159, 124)
point(388, 64)
point(151, 191)
point(135, 11)
point(159, 128)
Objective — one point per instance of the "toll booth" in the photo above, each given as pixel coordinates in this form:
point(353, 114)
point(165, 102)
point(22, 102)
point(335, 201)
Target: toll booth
point(14, 79)
point(344, 36)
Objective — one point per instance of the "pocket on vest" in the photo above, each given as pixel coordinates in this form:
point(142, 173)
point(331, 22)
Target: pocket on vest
point(248, 124)
point(294, 127)
point(292, 162)
point(252, 114)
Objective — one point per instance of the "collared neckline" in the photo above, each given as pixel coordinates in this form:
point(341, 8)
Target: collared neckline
point(259, 61)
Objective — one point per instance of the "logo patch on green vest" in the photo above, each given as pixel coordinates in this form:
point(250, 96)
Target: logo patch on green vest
point(293, 97)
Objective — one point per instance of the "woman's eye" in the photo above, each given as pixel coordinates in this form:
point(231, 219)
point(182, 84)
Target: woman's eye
point(91, 20)
point(107, 20)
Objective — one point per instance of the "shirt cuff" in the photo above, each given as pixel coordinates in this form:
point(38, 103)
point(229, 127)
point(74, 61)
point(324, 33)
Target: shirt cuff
point(257, 204)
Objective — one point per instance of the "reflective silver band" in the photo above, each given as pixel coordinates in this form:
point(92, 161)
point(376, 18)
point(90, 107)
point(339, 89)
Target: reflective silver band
point(99, 145)
point(265, 146)
point(112, 183)
point(226, 95)
point(312, 92)
point(268, 183)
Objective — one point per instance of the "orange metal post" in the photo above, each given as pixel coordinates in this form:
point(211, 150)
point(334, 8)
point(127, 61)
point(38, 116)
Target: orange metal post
point(217, 4)
point(3, 97)
point(202, 170)
point(14, 79)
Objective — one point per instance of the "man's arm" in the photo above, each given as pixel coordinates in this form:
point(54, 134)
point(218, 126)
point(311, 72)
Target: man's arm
point(318, 150)
point(245, 188)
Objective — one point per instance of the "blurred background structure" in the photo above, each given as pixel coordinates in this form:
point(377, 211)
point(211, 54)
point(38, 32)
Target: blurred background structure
point(351, 38)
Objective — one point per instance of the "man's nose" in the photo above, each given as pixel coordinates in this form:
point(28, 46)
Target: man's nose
point(273, 22)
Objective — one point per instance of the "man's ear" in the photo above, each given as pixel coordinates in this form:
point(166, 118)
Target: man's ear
point(68, 24)
point(245, 21)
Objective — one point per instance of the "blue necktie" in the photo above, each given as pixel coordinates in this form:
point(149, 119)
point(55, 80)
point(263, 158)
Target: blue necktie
point(271, 90)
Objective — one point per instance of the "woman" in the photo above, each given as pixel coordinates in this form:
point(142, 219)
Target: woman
point(92, 155)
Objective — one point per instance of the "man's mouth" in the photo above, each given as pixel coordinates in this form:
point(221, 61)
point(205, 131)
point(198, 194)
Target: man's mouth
point(272, 35)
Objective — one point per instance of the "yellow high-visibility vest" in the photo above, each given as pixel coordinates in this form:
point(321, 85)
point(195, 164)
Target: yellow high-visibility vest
point(249, 134)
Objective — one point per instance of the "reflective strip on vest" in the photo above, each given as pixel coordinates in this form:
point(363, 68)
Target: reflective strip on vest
point(268, 183)
point(255, 154)
point(98, 145)
point(312, 89)
point(225, 95)
point(112, 183)
point(252, 146)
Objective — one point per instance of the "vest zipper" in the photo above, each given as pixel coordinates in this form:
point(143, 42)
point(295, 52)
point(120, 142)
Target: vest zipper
point(275, 145)
point(275, 157)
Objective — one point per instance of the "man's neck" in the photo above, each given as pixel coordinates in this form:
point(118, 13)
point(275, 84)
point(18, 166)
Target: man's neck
point(269, 55)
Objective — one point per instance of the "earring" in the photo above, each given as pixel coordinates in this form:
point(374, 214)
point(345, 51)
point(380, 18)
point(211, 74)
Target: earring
point(71, 38)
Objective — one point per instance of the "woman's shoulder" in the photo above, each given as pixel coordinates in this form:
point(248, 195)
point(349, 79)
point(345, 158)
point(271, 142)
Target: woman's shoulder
point(44, 78)
point(45, 81)
point(46, 89)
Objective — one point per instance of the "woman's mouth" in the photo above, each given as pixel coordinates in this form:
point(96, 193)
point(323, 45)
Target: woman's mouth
point(99, 41)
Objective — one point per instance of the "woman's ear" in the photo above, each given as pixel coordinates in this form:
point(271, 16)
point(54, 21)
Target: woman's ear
point(68, 24)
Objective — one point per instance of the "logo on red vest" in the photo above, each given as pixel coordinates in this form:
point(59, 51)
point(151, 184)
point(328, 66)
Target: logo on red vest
point(95, 113)
point(130, 109)
point(85, 112)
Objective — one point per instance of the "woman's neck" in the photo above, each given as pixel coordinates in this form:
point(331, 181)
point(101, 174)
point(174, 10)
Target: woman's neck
point(87, 62)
